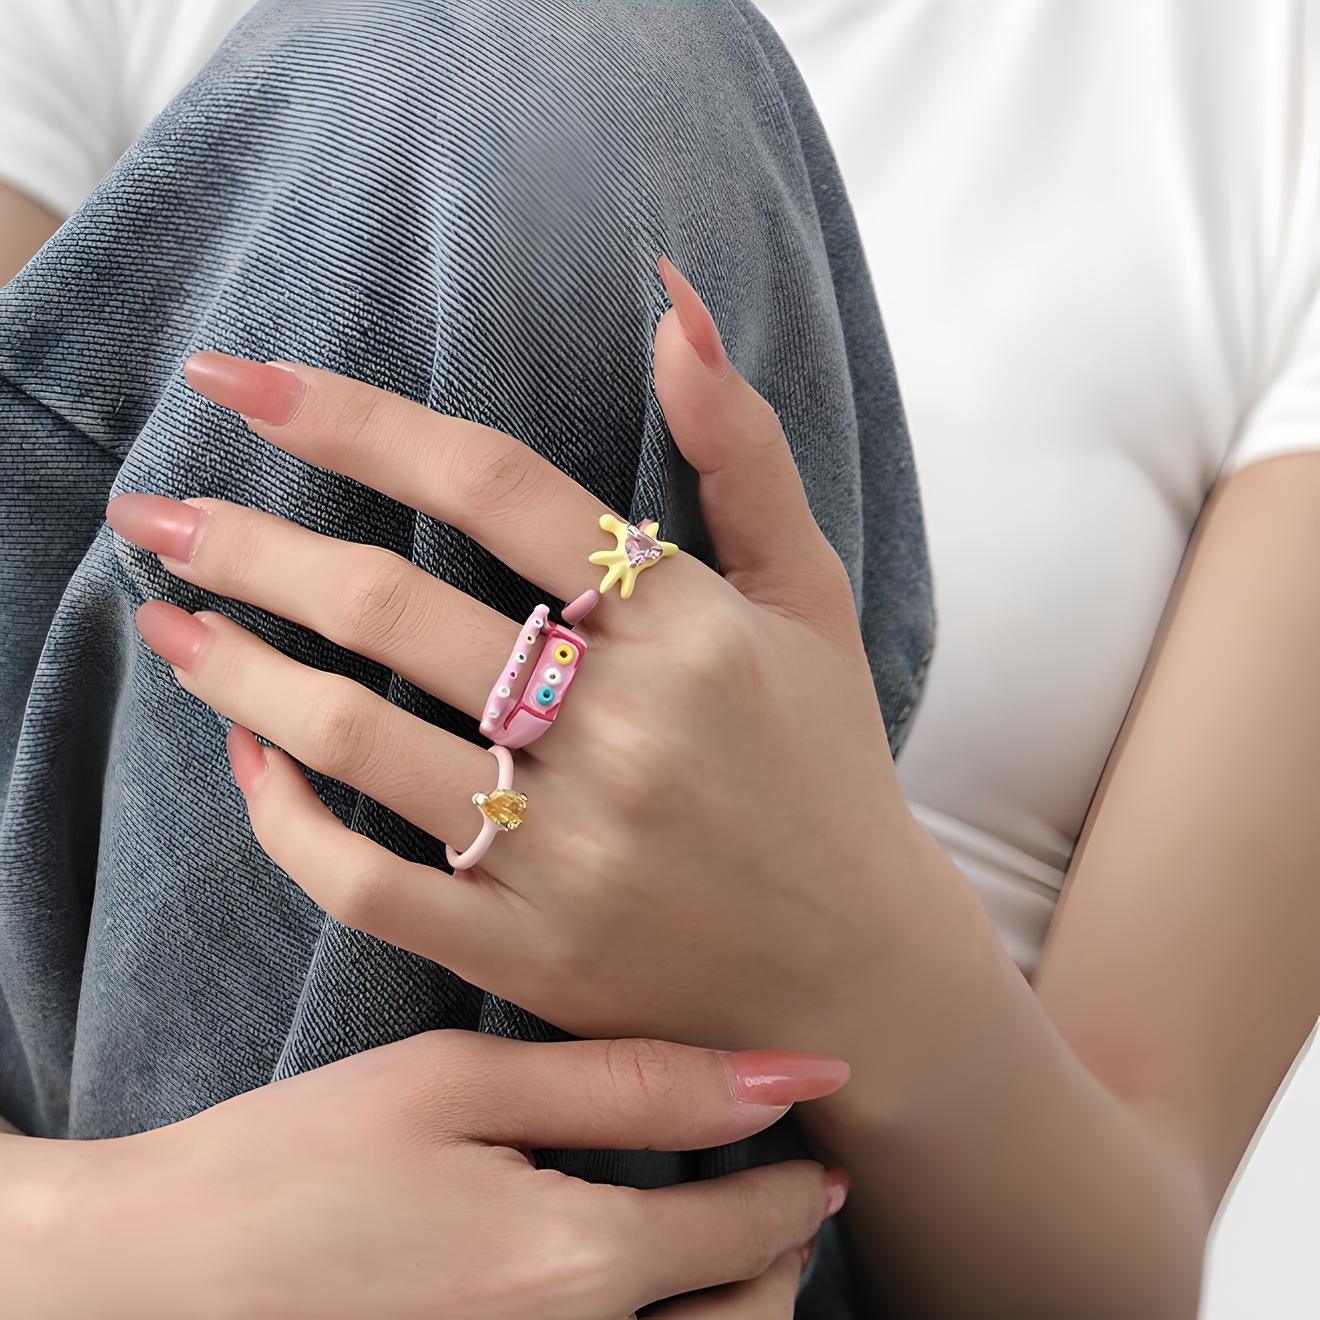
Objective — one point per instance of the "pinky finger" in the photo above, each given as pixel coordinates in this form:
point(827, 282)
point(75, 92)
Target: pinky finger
point(770, 1296)
point(461, 923)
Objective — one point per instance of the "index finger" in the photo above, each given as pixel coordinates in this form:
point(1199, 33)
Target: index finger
point(522, 508)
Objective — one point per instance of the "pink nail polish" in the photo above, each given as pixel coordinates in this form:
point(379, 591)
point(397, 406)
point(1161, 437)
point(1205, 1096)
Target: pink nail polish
point(693, 316)
point(163, 526)
point(247, 759)
point(579, 607)
point(255, 389)
point(783, 1077)
point(837, 1183)
point(175, 635)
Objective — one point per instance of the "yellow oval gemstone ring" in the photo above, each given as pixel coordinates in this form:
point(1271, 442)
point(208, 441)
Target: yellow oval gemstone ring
point(504, 806)
point(502, 810)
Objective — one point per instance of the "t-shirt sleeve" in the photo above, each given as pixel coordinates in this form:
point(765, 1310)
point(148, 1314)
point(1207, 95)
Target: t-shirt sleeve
point(1285, 416)
point(1282, 415)
point(59, 103)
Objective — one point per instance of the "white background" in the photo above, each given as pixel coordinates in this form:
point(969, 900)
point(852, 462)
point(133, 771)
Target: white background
point(1264, 1260)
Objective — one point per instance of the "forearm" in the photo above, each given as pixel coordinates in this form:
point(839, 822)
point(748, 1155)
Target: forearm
point(993, 1174)
point(37, 1188)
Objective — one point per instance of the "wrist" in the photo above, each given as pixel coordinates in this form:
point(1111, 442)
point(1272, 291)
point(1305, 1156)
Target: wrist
point(903, 941)
point(932, 977)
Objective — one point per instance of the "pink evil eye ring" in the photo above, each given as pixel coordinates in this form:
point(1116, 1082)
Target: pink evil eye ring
point(526, 698)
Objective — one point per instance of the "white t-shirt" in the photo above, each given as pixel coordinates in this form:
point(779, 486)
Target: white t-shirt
point(1093, 229)
point(80, 79)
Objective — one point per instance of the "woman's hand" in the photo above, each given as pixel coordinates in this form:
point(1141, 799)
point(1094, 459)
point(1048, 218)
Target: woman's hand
point(715, 844)
point(394, 1183)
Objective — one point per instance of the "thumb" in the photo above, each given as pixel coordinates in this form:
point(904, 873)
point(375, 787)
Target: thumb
point(755, 508)
point(636, 1094)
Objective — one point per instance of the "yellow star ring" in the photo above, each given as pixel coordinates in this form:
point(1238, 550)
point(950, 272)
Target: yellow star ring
point(637, 548)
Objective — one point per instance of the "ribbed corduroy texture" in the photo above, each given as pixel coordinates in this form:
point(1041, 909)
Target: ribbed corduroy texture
point(461, 202)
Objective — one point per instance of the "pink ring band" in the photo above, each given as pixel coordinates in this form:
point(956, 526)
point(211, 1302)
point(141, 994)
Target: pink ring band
point(526, 698)
point(470, 856)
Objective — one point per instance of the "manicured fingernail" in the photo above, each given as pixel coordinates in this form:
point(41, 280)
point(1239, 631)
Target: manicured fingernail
point(163, 526)
point(580, 606)
point(255, 389)
point(693, 316)
point(175, 635)
point(836, 1191)
point(247, 759)
point(782, 1077)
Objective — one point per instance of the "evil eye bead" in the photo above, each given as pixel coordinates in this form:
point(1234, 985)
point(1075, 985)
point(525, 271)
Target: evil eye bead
point(553, 677)
point(545, 696)
point(565, 654)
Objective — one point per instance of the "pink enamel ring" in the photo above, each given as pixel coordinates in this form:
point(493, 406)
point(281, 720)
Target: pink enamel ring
point(526, 698)
point(502, 809)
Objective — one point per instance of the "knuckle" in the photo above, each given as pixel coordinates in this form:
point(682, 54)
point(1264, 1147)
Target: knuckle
point(644, 763)
point(572, 1268)
point(724, 644)
point(633, 1216)
point(737, 639)
point(554, 967)
point(378, 598)
point(583, 1262)
point(240, 552)
point(453, 1079)
point(646, 1068)
point(362, 417)
point(360, 897)
point(228, 662)
point(836, 585)
point(344, 733)
point(451, 1053)
point(499, 477)
point(765, 1236)
point(632, 766)
point(764, 426)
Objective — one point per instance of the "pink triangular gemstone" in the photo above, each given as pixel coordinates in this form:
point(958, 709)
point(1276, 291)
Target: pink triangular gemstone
point(639, 547)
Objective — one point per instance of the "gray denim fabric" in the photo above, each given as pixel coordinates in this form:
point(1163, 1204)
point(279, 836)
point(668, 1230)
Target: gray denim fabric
point(460, 202)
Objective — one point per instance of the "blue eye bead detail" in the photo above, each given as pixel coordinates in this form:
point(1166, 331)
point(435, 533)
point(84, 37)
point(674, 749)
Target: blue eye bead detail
point(545, 696)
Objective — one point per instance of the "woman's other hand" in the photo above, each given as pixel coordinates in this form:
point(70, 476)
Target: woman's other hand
point(396, 1183)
